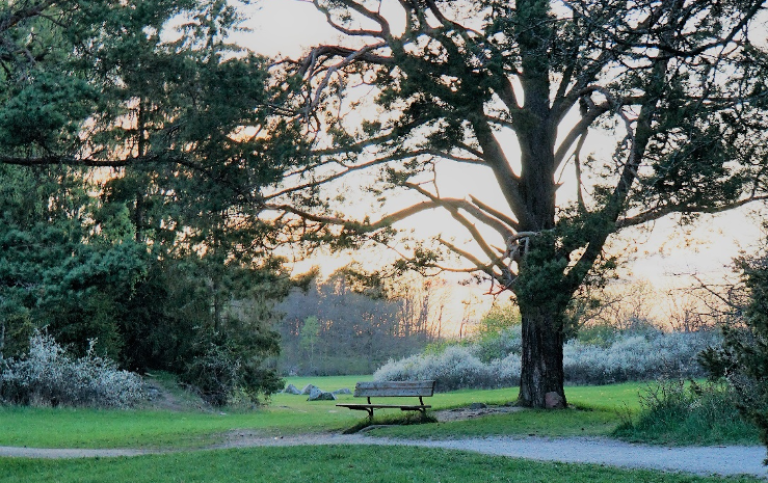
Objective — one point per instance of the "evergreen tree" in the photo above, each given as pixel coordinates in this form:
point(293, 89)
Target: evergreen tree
point(154, 119)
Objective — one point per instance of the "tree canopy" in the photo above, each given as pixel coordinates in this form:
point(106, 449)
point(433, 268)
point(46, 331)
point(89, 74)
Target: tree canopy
point(679, 84)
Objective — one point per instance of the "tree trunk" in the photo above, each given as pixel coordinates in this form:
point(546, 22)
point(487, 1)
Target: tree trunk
point(541, 380)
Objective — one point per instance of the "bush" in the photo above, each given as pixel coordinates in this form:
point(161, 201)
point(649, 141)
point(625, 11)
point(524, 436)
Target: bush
point(48, 376)
point(490, 347)
point(680, 412)
point(224, 375)
point(633, 357)
point(743, 358)
point(456, 367)
point(629, 357)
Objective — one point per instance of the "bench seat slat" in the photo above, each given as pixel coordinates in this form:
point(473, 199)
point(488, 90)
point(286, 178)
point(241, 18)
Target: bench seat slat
point(384, 406)
point(395, 389)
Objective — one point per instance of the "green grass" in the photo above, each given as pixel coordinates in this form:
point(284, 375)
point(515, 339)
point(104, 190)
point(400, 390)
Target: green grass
point(339, 464)
point(287, 414)
point(599, 411)
point(89, 428)
point(572, 422)
point(684, 414)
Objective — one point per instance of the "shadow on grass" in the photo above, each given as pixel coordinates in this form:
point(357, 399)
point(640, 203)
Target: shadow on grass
point(400, 420)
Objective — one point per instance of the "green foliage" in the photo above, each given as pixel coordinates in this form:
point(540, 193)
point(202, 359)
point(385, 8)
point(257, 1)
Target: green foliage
point(501, 316)
point(743, 358)
point(676, 412)
point(145, 306)
point(493, 331)
point(164, 261)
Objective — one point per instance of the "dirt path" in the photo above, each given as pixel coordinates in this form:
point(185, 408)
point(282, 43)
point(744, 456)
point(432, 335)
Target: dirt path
point(721, 460)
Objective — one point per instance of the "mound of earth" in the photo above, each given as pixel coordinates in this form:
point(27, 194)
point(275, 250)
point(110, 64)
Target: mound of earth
point(473, 411)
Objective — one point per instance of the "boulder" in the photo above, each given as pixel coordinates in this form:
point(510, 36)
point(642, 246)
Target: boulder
point(343, 390)
point(553, 400)
point(477, 406)
point(318, 395)
point(308, 389)
point(291, 389)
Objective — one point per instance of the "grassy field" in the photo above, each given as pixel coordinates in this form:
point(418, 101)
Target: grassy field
point(597, 411)
point(287, 414)
point(339, 464)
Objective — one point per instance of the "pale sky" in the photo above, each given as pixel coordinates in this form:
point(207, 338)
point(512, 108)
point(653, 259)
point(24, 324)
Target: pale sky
point(289, 27)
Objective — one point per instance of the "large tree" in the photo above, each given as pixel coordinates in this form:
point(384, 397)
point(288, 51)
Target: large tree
point(134, 128)
point(679, 84)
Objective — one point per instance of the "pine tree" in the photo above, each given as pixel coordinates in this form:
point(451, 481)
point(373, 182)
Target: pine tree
point(679, 84)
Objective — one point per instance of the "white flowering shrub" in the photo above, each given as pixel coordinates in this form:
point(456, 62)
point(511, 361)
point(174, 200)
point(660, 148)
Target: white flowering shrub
point(629, 357)
point(637, 357)
point(454, 368)
point(48, 376)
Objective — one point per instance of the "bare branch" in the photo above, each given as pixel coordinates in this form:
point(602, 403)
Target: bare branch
point(375, 16)
point(495, 213)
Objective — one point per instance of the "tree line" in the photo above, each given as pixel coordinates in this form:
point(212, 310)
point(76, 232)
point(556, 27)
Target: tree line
point(335, 326)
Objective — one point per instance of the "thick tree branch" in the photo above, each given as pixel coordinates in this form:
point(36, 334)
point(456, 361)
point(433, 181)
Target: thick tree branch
point(495, 213)
point(669, 209)
point(468, 225)
point(507, 180)
point(384, 33)
point(348, 169)
point(578, 131)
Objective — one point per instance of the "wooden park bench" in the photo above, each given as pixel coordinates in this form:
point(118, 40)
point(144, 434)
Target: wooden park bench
point(420, 389)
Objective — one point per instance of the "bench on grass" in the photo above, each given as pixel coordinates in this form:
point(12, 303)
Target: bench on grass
point(420, 389)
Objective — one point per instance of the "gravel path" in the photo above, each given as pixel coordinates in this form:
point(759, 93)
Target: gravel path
point(720, 460)
point(51, 453)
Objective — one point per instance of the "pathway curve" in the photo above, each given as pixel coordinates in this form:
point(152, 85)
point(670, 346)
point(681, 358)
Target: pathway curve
point(719, 460)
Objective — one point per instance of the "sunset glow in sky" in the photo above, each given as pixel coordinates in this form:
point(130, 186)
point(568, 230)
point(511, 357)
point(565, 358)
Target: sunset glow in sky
point(660, 255)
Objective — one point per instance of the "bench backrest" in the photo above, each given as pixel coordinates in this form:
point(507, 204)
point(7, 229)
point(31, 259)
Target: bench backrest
point(395, 389)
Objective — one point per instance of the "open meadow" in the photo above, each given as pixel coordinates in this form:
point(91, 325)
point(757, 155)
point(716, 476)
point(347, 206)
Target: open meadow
point(601, 407)
point(596, 411)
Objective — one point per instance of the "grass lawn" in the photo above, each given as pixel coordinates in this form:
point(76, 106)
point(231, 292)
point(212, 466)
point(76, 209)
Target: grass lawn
point(88, 428)
point(339, 464)
point(599, 411)
point(287, 414)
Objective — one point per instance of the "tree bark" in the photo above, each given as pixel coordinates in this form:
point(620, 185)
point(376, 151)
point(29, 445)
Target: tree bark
point(542, 377)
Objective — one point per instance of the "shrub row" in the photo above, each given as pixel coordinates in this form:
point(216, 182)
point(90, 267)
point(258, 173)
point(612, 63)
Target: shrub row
point(456, 367)
point(630, 357)
point(48, 376)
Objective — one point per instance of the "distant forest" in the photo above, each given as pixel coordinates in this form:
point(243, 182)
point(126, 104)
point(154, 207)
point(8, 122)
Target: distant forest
point(331, 328)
